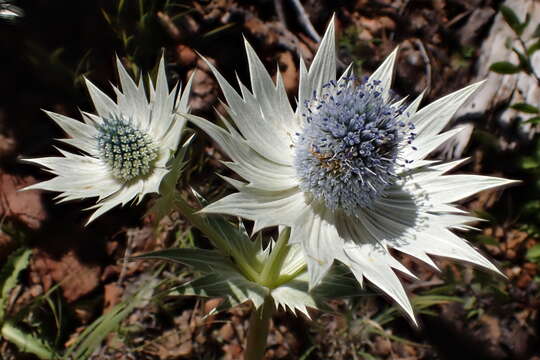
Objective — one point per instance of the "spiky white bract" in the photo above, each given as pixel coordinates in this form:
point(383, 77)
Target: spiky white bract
point(124, 148)
point(300, 167)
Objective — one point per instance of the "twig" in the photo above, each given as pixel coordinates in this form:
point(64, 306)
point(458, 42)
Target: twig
point(303, 19)
point(425, 57)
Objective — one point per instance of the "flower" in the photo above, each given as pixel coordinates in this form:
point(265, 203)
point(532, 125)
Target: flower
point(126, 146)
point(346, 170)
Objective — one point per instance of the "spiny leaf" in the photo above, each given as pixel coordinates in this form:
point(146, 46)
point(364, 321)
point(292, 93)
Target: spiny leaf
point(9, 275)
point(238, 240)
point(26, 342)
point(199, 259)
point(234, 288)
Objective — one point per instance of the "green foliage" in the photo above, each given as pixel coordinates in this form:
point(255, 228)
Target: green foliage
point(221, 275)
point(524, 53)
point(513, 21)
point(529, 163)
point(95, 333)
point(9, 278)
point(26, 342)
point(504, 67)
point(528, 158)
point(9, 275)
point(138, 30)
point(200, 260)
point(526, 108)
point(533, 254)
point(353, 49)
point(55, 72)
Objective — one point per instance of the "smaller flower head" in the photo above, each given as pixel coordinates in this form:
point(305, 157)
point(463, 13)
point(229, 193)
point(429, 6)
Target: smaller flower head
point(126, 146)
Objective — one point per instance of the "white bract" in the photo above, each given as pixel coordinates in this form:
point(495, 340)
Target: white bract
point(346, 170)
point(125, 147)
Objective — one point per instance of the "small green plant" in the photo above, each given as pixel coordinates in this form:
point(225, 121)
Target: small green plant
point(528, 159)
point(524, 54)
point(11, 325)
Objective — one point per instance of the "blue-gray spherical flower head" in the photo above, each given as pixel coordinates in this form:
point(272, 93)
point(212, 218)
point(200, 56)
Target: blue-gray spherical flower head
point(348, 150)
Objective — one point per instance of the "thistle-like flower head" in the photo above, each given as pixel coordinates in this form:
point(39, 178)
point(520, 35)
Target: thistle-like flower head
point(125, 147)
point(348, 151)
point(346, 170)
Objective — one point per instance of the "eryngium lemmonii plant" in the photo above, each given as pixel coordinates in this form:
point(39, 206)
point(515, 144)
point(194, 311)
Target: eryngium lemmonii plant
point(344, 176)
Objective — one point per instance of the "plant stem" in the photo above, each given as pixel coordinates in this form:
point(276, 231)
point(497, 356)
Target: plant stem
point(273, 265)
point(259, 325)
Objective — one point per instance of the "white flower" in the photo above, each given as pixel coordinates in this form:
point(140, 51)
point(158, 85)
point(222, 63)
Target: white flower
point(126, 146)
point(346, 170)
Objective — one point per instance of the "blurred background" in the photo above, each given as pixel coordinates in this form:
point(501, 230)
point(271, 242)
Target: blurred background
point(67, 293)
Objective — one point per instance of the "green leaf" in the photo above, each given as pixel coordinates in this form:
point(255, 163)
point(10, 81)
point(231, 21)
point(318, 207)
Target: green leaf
point(199, 259)
point(526, 108)
point(528, 162)
point(533, 48)
point(504, 67)
point(218, 30)
point(512, 20)
point(233, 287)
point(421, 303)
point(533, 253)
point(238, 241)
point(524, 62)
point(338, 283)
point(94, 334)
point(533, 120)
point(536, 32)
point(26, 342)
point(524, 25)
point(488, 240)
point(16, 262)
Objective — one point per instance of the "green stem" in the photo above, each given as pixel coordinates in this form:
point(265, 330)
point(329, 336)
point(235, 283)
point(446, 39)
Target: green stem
point(200, 223)
point(274, 263)
point(259, 325)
